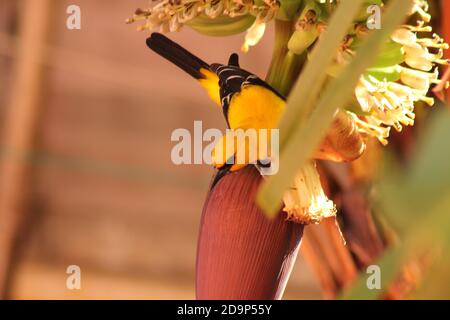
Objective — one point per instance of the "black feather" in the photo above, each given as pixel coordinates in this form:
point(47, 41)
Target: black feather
point(177, 55)
point(233, 60)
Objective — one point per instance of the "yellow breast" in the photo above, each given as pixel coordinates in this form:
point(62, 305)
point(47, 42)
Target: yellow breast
point(255, 107)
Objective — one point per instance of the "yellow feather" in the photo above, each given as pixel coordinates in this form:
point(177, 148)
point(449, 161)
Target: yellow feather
point(255, 107)
point(211, 85)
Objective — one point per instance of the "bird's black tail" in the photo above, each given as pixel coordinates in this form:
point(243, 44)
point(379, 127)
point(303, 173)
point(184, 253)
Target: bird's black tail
point(177, 55)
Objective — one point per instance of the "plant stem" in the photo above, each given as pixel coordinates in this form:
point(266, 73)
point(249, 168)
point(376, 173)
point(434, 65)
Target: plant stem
point(285, 66)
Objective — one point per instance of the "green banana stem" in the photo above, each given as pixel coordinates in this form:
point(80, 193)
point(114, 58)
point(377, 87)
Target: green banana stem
point(285, 65)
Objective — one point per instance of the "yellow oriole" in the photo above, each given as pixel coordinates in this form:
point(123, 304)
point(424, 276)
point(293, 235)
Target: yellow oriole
point(247, 101)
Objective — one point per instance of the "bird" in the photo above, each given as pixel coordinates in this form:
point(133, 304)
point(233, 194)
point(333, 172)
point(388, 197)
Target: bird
point(247, 101)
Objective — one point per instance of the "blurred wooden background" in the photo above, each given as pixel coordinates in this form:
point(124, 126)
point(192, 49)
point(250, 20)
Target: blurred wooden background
point(100, 190)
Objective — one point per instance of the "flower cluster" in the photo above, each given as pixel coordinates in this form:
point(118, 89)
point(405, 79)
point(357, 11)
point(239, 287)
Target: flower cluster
point(208, 15)
point(387, 95)
point(406, 68)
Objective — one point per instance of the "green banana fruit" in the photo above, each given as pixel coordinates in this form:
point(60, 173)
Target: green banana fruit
point(390, 74)
point(302, 40)
point(391, 53)
point(306, 32)
point(221, 26)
